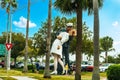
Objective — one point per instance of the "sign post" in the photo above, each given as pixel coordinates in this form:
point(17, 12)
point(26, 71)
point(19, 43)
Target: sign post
point(8, 47)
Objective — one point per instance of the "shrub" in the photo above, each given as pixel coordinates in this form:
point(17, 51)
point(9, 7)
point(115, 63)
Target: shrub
point(31, 67)
point(113, 72)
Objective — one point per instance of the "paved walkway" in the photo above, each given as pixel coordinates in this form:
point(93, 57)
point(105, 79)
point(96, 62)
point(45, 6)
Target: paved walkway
point(0, 79)
point(22, 78)
point(103, 78)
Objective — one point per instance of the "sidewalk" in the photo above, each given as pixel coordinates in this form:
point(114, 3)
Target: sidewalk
point(1, 79)
point(103, 79)
point(22, 78)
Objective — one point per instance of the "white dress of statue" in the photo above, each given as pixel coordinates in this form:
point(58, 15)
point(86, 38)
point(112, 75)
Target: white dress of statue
point(59, 42)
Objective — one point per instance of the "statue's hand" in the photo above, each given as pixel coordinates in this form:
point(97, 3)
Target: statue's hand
point(59, 37)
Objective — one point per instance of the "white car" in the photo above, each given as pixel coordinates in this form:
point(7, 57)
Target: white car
point(20, 64)
point(104, 67)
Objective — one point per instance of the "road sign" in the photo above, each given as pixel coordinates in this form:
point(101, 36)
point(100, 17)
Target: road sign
point(2, 49)
point(8, 46)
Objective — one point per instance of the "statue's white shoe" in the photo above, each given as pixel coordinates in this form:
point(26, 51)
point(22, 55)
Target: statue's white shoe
point(54, 72)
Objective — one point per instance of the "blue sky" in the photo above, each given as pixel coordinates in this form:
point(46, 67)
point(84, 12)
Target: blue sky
point(109, 16)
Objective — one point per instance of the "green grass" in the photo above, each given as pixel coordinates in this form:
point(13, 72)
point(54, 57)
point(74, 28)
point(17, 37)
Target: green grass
point(7, 78)
point(88, 76)
point(6, 74)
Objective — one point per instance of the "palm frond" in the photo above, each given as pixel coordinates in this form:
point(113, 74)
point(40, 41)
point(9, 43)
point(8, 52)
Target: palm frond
point(65, 6)
point(3, 4)
point(9, 5)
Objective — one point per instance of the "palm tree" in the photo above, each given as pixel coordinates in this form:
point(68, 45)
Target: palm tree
point(47, 72)
point(96, 75)
point(10, 6)
point(106, 45)
point(26, 46)
point(76, 6)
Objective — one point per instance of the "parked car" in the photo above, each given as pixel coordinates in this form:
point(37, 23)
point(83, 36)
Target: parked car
point(85, 66)
point(20, 64)
point(104, 66)
point(42, 66)
point(51, 66)
point(90, 68)
point(2, 64)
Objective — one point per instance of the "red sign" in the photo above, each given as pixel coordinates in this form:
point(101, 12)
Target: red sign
point(8, 46)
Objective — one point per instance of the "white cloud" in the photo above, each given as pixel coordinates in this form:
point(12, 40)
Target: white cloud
point(117, 43)
point(115, 24)
point(116, 46)
point(22, 23)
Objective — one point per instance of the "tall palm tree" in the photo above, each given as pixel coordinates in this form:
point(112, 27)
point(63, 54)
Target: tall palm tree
point(106, 45)
point(10, 6)
point(26, 46)
point(47, 72)
point(76, 6)
point(96, 75)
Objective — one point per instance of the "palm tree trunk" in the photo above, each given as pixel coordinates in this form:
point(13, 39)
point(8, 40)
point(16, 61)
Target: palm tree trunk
point(10, 33)
point(47, 72)
point(10, 41)
point(33, 70)
point(96, 75)
point(6, 61)
point(26, 46)
point(106, 57)
point(79, 44)
point(7, 28)
point(15, 61)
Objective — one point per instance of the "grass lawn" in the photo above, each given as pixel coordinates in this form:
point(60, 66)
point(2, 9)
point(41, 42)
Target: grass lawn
point(6, 74)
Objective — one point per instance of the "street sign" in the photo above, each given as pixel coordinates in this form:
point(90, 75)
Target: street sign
point(2, 49)
point(8, 46)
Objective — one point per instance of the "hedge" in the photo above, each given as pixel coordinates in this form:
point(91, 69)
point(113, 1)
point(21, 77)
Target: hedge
point(113, 72)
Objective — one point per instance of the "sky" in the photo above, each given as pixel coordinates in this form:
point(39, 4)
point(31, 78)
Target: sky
point(109, 16)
